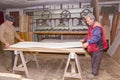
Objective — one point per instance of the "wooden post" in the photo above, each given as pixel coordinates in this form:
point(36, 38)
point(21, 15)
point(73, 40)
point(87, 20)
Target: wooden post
point(95, 9)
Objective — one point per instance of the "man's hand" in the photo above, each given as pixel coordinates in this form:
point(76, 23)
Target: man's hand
point(85, 45)
point(21, 40)
point(82, 40)
point(7, 44)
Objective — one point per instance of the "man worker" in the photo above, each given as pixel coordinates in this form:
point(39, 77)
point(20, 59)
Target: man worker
point(95, 43)
point(7, 37)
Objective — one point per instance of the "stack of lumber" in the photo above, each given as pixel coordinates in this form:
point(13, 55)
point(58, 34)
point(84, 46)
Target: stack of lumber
point(30, 24)
point(115, 26)
point(26, 36)
point(23, 23)
point(114, 49)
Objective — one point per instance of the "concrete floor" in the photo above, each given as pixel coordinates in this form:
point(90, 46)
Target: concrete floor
point(52, 68)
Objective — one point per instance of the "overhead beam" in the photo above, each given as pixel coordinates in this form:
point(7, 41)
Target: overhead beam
point(109, 2)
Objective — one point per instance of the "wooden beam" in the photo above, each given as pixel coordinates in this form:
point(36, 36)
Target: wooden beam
point(94, 4)
point(10, 76)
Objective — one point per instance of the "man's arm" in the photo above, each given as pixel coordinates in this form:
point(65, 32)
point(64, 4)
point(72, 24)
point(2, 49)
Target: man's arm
point(83, 40)
point(96, 35)
point(17, 36)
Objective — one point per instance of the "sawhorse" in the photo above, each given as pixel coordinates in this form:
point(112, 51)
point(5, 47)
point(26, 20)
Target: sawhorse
point(75, 65)
point(23, 66)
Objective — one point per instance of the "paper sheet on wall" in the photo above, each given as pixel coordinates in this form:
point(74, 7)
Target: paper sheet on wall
point(47, 45)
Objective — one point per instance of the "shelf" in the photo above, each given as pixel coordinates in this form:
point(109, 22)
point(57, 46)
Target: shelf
point(72, 29)
point(61, 32)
